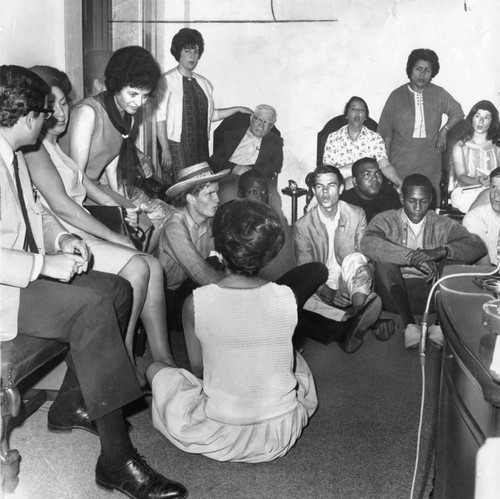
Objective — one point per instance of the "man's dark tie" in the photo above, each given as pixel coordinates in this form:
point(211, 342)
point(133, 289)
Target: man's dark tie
point(29, 240)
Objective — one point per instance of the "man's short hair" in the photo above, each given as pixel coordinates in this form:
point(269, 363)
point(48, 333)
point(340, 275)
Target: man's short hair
point(416, 180)
point(266, 108)
point(21, 91)
point(357, 164)
point(321, 170)
point(495, 173)
point(248, 176)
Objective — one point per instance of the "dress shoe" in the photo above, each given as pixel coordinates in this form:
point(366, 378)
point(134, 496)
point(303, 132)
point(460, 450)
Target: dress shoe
point(138, 480)
point(383, 329)
point(64, 422)
point(361, 323)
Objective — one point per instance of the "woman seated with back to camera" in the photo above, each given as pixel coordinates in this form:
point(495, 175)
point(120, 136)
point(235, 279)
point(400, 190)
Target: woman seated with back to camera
point(476, 154)
point(250, 395)
point(63, 189)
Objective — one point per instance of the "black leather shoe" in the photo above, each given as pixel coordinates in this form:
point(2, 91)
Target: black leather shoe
point(361, 323)
point(58, 422)
point(138, 480)
point(383, 329)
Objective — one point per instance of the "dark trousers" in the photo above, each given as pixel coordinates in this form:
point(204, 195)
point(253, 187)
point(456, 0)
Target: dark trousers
point(89, 314)
point(303, 280)
point(404, 297)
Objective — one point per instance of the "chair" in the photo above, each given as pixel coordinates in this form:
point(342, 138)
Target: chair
point(332, 126)
point(24, 360)
point(237, 120)
point(448, 172)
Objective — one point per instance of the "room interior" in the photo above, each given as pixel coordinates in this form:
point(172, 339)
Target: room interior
point(306, 59)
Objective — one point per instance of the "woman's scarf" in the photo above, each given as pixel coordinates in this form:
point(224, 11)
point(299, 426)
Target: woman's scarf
point(129, 166)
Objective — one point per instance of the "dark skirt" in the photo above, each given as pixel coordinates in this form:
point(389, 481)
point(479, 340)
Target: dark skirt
point(193, 147)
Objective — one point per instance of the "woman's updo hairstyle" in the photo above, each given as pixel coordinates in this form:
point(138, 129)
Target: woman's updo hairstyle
point(248, 234)
point(186, 38)
point(423, 55)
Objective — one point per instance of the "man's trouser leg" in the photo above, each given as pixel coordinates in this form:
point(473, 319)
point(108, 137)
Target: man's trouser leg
point(86, 314)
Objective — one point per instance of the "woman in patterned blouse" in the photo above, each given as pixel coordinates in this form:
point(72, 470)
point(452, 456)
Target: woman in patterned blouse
point(355, 141)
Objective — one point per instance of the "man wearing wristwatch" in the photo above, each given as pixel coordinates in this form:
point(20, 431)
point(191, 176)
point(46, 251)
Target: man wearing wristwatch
point(410, 247)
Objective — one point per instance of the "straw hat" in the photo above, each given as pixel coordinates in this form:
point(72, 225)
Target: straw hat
point(194, 175)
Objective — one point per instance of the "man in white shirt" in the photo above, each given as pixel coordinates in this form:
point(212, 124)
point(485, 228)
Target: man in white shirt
point(344, 308)
point(484, 220)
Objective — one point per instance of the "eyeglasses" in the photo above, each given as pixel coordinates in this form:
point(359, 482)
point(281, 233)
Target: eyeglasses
point(47, 112)
point(263, 122)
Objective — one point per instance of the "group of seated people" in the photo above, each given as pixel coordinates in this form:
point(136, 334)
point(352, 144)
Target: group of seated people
point(244, 286)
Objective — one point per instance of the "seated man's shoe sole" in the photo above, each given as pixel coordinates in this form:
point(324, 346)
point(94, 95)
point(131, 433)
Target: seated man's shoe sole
point(76, 420)
point(136, 479)
point(384, 329)
point(362, 322)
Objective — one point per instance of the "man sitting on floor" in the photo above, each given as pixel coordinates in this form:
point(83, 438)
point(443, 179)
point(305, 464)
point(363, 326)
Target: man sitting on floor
point(370, 192)
point(410, 246)
point(46, 292)
point(186, 241)
point(252, 146)
point(484, 220)
point(344, 308)
point(186, 244)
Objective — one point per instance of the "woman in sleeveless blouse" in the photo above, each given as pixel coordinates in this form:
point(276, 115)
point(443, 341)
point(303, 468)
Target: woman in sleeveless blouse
point(250, 394)
point(186, 107)
point(476, 155)
point(63, 189)
point(102, 132)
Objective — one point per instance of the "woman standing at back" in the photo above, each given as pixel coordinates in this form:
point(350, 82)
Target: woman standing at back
point(410, 122)
point(186, 106)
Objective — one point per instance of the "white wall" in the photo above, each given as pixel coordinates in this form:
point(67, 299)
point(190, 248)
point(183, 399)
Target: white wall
point(34, 32)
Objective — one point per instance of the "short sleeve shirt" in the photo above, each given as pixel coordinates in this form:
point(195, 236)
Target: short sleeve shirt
point(341, 150)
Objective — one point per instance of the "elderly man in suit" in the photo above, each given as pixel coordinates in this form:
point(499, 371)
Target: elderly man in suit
point(47, 292)
point(250, 146)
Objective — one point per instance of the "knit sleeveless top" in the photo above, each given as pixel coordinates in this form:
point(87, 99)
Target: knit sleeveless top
point(246, 338)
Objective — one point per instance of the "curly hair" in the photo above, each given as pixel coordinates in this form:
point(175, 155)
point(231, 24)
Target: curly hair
point(54, 78)
point(248, 234)
point(351, 100)
point(131, 66)
point(321, 170)
point(186, 38)
point(423, 55)
point(493, 132)
point(21, 91)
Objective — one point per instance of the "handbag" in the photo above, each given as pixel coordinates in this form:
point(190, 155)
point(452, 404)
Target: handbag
point(113, 217)
point(152, 186)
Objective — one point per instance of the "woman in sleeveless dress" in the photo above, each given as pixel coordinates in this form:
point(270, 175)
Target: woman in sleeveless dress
point(63, 189)
point(249, 395)
point(476, 155)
